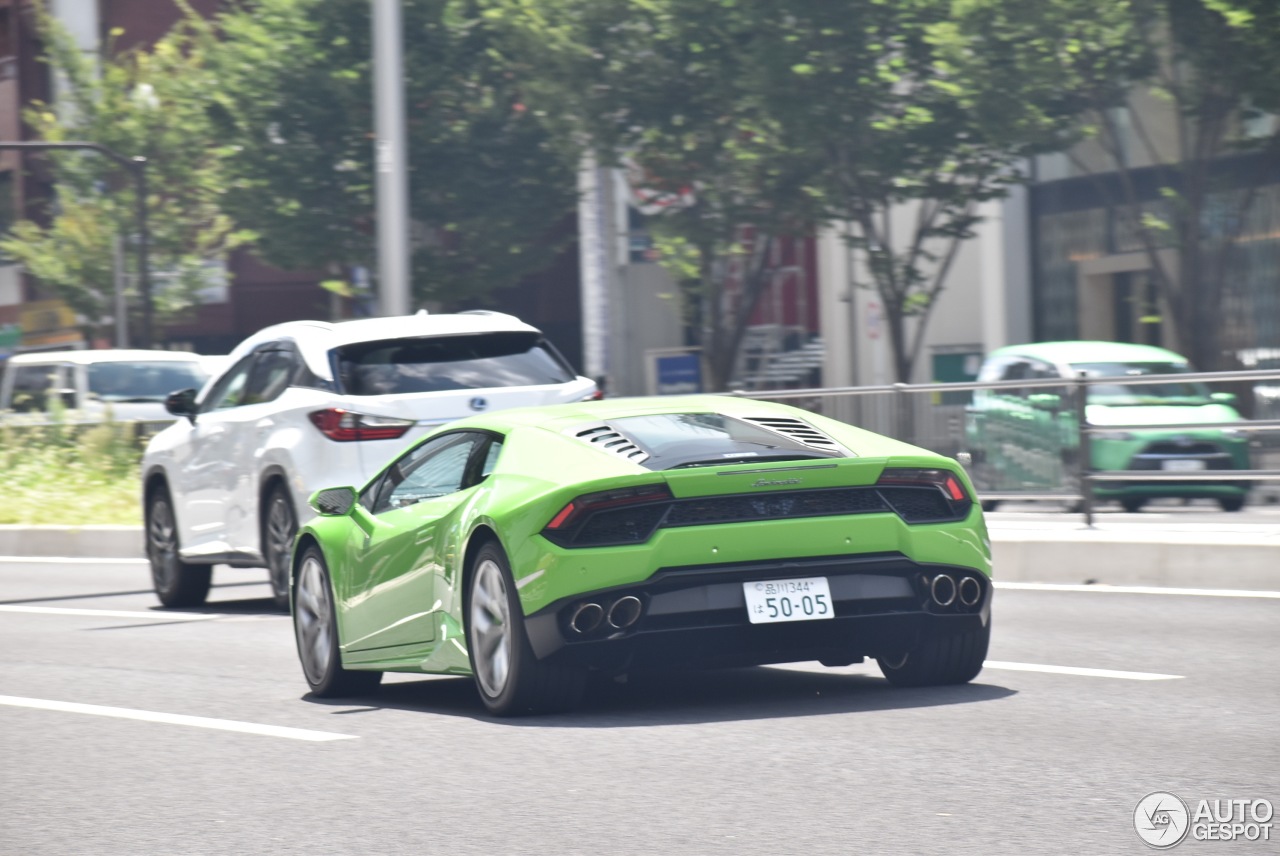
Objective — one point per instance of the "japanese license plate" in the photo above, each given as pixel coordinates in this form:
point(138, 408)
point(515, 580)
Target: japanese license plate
point(771, 601)
point(1182, 464)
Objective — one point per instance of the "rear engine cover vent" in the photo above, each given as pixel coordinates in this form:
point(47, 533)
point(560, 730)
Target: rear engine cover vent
point(608, 440)
point(800, 431)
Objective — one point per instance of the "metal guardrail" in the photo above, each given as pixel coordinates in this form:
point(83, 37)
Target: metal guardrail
point(896, 412)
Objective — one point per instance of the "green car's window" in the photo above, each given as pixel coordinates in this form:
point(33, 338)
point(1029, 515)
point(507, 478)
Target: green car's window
point(1163, 390)
point(436, 468)
point(490, 459)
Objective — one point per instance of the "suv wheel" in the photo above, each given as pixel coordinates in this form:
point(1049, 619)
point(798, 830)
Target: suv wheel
point(279, 526)
point(177, 583)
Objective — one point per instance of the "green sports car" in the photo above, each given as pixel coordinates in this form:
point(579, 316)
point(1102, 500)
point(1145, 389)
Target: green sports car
point(531, 547)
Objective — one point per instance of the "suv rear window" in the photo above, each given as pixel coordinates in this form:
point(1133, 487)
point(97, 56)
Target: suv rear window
point(438, 363)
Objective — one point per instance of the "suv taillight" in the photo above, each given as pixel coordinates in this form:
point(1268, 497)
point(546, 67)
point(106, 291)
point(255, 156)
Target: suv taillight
point(346, 425)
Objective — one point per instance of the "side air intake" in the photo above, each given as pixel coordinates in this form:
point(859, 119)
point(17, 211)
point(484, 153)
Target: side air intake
point(608, 440)
point(800, 431)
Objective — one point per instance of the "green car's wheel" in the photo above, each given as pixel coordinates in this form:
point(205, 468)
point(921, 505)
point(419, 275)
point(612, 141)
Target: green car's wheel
point(1133, 504)
point(177, 583)
point(1231, 503)
point(510, 678)
point(279, 526)
point(945, 660)
point(315, 626)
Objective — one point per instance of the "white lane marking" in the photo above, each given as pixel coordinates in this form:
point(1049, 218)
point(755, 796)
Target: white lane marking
point(1192, 592)
point(177, 719)
point(1079, 671)
point(110, 613)
point(69, 560)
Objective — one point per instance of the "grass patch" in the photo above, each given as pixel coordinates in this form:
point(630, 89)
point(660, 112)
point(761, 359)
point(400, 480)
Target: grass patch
point(70, 475)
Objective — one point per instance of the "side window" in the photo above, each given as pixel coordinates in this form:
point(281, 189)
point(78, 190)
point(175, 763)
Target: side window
point(436, 468)
point(490, 459)
point(228, 392)
point(1016, 370)
point(270, 376)
point(31, 387)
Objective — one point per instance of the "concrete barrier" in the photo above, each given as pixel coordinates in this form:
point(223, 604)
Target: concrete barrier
point(1214, 558)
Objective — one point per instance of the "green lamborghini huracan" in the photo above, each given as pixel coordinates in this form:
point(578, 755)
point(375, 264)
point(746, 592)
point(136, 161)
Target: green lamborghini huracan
point(531, 547)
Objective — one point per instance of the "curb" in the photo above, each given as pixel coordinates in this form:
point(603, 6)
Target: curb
point(99, 542)
point(1229, 559)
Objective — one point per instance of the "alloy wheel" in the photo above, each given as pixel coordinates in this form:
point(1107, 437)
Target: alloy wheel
point(490, 628)
point(162, 541)
point(313, 620)
point(281, 529)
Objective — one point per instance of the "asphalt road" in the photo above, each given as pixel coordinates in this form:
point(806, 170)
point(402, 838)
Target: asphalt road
point(796, 760)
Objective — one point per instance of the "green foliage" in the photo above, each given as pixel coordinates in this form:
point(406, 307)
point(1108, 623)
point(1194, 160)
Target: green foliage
point(488, 185)
point(136, 103)
point(70, 475)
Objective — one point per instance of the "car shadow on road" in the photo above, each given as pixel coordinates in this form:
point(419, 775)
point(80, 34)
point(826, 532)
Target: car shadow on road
point(683, 698)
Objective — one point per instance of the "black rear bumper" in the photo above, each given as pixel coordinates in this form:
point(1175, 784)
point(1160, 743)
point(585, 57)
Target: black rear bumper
point(697, 616)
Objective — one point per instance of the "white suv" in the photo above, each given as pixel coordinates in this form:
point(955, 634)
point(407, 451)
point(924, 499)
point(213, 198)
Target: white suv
point(309, 404)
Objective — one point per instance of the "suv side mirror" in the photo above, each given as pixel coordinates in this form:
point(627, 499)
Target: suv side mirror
point(333, 501)
point(1045, 401)
point(1223, 398)
point(181, 403)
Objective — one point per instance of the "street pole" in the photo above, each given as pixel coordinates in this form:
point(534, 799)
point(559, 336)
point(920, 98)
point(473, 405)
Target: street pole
point(138, 170)
point(391, 159)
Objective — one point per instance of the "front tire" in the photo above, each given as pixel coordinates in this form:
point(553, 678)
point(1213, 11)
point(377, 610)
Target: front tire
point(510, 679)
point(1133, 504)
point(177, 583)
point(1231, 503)
point(944, 660)
point(315, 627)
point(279, 528)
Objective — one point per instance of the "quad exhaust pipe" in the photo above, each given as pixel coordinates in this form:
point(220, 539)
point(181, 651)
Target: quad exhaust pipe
point(587, 617)
point(624, 612)
point(621, 614)
point(945, 590)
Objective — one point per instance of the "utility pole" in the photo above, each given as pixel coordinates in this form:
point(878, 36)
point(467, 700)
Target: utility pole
point(137, 167)
point(391, 160)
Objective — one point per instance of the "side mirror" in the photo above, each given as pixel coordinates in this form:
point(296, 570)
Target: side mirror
point(1045, 401)
point(1228, 398)
point(333, 501)
point(181, 403)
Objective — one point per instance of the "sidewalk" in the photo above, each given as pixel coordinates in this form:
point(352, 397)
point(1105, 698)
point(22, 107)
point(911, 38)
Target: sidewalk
point(1187, 555)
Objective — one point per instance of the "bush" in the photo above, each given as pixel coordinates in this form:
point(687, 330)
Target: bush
point(70, 475)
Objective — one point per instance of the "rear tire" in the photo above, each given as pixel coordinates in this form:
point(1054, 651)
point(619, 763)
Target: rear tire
point(315, 628)
point(944, 660)
point(177, 583)
point(990, 504)
point(1231, 503)
point(279, 528)
point(509, 677)
point(1133, 504)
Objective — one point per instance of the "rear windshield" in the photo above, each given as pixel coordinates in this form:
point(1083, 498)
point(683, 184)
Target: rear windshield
point(1164, 389)
point(143, 381)
point(438, 363)
point(676, 440)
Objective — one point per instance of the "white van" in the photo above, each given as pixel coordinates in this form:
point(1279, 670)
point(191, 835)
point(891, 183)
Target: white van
point(130, 384)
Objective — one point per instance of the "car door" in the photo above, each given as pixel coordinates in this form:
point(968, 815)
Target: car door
point(391, 593)
point(204, 476)
point(250, 426)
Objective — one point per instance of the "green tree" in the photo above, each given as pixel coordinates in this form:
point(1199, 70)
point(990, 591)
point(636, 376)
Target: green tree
point(1173, 97)
point(488, 184)
point(145, 103)
point(667, 85)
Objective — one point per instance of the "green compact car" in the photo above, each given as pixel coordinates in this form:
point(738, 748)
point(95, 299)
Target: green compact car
point(1027, 438)
point(532, 546)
